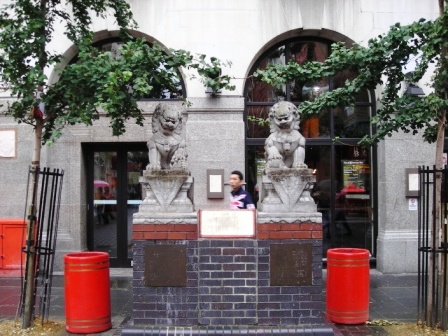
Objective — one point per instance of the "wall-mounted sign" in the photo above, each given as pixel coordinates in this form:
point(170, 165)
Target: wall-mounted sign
point(412, 182)
point(215, 183)
point(291, 264)
point(413, 204)
point(227, 223)
point(8, 143)
point(356, 176)
point(165, 266)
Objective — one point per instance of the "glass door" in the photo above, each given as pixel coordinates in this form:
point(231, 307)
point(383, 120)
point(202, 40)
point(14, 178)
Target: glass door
point(136, 163)
point(114, 195)
point(105, 219)
point(342, 192)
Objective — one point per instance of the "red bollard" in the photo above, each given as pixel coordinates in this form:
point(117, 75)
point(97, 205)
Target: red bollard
point(348, 282)
point(87, 292)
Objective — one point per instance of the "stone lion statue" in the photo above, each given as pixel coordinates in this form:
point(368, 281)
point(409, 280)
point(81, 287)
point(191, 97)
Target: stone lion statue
point(285, 146)
point(166, 147)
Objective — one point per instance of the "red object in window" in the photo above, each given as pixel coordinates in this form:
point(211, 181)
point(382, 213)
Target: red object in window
point(87, 292)
point(352, 188)
point(348, 281)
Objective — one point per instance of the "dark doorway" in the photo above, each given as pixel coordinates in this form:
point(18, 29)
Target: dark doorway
point(113, 196)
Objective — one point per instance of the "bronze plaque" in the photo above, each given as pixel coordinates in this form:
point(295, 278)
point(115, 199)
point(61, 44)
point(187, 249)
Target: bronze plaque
point(165, 266)
point(291, 264)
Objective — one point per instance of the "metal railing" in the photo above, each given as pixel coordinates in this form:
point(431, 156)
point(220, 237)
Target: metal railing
point(42, 246)
point(433, 247)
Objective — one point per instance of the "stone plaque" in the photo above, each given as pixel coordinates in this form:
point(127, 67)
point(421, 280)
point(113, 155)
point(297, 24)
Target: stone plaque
point(165, 266)
point(227, 224)
point(8, 143)
point(291, 264)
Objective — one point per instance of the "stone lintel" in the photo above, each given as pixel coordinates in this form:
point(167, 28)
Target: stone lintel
point(292, 217)
point(172, 209)
point(165, 218)
point(305, 173)
point(167, 173)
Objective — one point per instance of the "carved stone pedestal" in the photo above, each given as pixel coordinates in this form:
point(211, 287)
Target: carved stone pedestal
point(287, 190)
point(166, 191)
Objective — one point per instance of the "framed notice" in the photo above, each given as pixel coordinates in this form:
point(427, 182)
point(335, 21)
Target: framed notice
point(8, 143)
point(412, 182)
point(227, 223)
point(413, 204)
point(215, 183)
point(355, 176)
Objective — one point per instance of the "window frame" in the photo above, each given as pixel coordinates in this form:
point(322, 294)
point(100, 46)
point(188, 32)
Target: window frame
point(249, 142)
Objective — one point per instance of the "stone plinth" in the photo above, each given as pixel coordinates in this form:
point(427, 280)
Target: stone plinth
point(287, 190)
point(166, 191)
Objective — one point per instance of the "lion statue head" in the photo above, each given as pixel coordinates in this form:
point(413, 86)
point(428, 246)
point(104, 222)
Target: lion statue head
point(284, 115)
point(167, 119)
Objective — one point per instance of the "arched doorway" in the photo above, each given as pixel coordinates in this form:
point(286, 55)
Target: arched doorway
point(345, 189)
point(112, 169)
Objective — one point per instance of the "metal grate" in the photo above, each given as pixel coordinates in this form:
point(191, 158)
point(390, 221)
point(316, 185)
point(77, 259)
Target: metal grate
point(433, 247)
point(47, 199)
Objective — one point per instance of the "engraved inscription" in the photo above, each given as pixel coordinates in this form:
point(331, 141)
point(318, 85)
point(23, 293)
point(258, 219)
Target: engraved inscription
point(229, 223)
point(291, 264)
point(165, 266)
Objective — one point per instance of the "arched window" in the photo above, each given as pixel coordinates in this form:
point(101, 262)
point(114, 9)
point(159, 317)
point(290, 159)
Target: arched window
point(159, 92)
point(112, 171)
point(343, 169)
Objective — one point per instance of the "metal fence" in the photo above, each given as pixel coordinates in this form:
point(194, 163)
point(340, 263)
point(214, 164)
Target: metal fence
point(41, 245)
point(433, 247)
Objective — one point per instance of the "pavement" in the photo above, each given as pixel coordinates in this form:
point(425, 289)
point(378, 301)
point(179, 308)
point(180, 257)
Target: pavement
point(392, 298)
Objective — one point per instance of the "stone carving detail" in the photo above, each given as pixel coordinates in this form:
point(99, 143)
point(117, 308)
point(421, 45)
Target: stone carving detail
point(286, 180)
point(166, 147)
point(166, 191)
point(285, 147)
point(287, 190)
point(166, 180)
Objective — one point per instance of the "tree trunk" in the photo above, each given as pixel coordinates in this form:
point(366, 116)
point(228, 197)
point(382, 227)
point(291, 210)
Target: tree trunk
point(440, 235)
point(31, 256)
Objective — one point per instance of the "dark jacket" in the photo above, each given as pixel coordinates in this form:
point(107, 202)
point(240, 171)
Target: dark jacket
point(241, 199)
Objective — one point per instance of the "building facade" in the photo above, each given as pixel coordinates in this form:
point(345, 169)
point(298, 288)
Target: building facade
point(360, 192)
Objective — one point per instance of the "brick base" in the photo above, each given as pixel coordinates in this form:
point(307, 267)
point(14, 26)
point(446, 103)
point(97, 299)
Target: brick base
point(228, 282)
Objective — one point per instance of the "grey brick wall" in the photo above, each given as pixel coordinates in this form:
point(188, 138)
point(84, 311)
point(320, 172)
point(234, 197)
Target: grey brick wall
point(227, 284)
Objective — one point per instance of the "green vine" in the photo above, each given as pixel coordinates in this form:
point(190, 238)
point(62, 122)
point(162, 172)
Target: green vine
point(259, 121)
